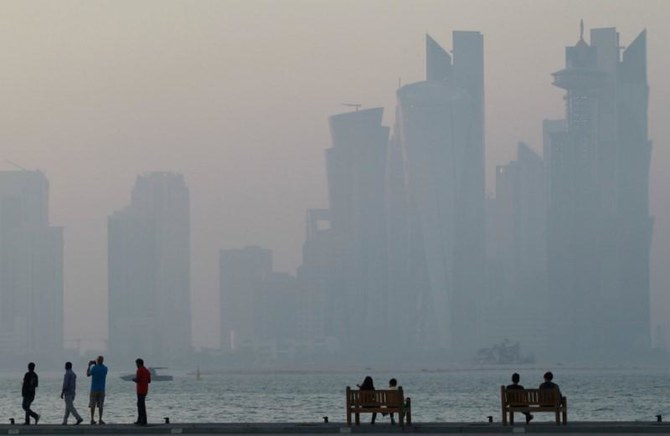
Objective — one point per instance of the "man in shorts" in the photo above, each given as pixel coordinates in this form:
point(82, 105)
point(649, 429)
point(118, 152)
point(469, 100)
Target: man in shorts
point(98, 373)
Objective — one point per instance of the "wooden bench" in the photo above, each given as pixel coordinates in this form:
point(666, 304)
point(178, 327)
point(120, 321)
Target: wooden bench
point(378, 401)
point(532, 401)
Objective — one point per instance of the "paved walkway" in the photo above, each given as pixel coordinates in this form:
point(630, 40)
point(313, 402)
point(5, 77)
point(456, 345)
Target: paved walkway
point(230, 429)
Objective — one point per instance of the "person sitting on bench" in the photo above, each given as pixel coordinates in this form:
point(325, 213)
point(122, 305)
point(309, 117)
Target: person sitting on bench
point(515, 385)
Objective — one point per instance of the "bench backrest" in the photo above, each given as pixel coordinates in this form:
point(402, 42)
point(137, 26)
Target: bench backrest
point(524, 397)
point(380, 397)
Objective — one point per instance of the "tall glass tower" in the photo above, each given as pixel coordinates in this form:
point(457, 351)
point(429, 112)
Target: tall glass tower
point(441, 132)
point(599, 227)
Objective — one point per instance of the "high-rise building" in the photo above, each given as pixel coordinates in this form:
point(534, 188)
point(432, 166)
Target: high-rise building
point(149, 266)
point(599, 227)
point(518, 255)
point(31, 268)
point(241, 275)
point(441, 131)
point(356, 168)
point(263, 313)
point(320, 276)
point(406, 266)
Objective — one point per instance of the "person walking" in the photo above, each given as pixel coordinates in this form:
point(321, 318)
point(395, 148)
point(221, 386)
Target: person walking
point(98, 373)
point(30, 382)
point(142, 380)
point(68, 394)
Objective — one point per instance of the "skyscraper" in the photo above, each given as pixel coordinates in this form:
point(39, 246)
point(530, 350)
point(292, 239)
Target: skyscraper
point(356, 165)
point(320, 276)
point(241, 275)
point(149, 270)
point(599, 227)
point(31, 267)
point(262, 311)
point(441, 130)
point(518, 257)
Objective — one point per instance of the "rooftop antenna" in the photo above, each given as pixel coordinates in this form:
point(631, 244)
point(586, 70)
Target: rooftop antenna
point(356, 105)
point(581, 29)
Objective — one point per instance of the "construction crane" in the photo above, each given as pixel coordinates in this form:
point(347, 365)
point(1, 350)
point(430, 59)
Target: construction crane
point(14, 164)
point(356, 105)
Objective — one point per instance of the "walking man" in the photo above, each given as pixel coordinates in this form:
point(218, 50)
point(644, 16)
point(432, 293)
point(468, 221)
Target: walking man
point(98, 373)
point(68, 393)
point(142, 380)
point(30, 382)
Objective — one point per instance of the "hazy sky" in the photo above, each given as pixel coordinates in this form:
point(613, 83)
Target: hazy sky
point(236, 95)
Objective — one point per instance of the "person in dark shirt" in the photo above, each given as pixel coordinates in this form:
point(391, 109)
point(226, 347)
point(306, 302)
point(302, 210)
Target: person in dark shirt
point(368, 385)
point(393, 385)
point(515, 385)
point(548, 383)
point(30, 382)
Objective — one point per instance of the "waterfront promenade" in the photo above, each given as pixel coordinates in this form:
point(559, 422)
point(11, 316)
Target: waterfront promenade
point(574, 428)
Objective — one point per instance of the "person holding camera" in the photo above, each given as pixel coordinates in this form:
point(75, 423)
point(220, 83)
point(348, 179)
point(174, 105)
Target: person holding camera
point(98, 373)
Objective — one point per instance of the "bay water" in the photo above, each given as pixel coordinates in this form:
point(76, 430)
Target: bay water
point(457, 395)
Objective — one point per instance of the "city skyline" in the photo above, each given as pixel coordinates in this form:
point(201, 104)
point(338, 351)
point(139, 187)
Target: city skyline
point(406, 246)
point(223, 219)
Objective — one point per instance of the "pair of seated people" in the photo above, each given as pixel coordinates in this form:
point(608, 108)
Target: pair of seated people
point(368, 385)
point(547, 384)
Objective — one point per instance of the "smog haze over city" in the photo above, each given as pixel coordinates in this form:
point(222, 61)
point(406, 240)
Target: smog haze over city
point(262, 118)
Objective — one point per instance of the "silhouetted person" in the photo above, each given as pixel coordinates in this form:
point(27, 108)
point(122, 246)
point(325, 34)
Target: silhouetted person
point(368, 385)
point(98, 373)
point(515, 385)
point(548, 383)
point(30, 382)
point(142, 380)
point(393, 385)
point(68, 394)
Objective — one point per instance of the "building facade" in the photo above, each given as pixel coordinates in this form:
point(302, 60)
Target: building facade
point(264, 313)
point(149, 252)
point(31, 268)
point(242, 273)
point(356, 166)
point(517, 256)
point(441, 132)
point(599, 226)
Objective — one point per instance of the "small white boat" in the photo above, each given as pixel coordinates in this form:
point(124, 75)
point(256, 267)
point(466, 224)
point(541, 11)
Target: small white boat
point(154, 375)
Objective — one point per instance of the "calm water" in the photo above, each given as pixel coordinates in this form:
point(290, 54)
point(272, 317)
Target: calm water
point(462, 396)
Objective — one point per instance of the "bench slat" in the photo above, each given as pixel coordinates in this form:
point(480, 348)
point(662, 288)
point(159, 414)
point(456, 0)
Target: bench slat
point(533, 400)
point(378, 401)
